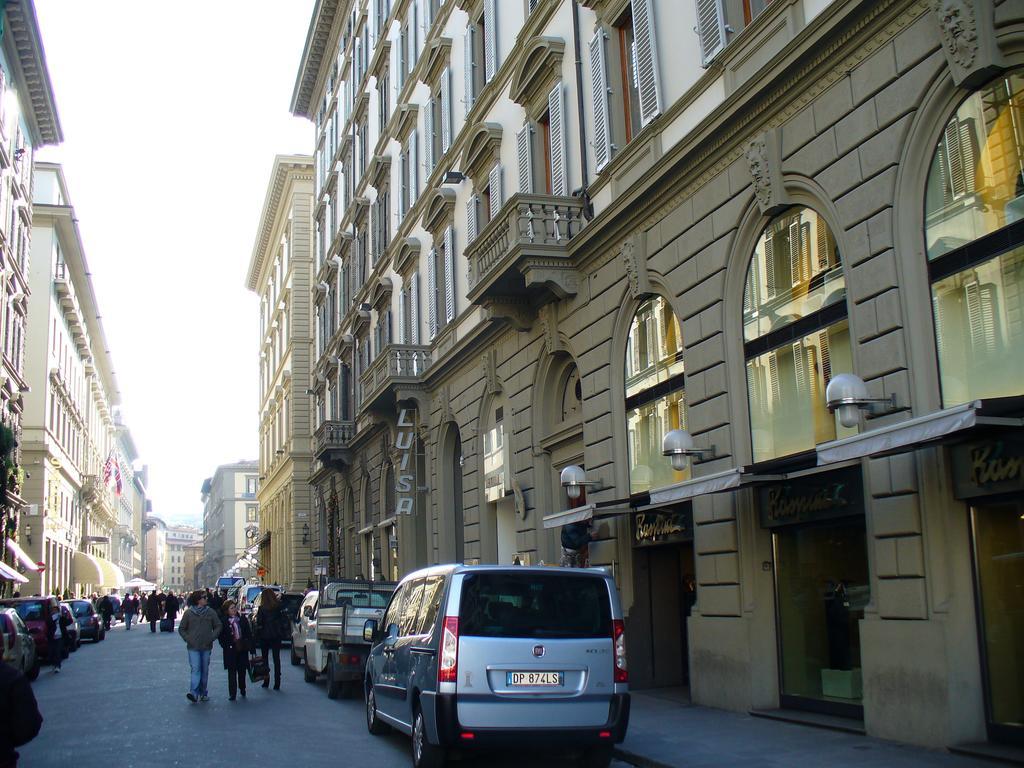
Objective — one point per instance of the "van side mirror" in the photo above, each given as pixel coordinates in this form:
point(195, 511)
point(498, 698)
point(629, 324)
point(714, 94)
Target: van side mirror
point(369, 630)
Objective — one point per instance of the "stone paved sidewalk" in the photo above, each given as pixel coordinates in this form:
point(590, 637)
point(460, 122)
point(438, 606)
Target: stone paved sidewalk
point(665, 732)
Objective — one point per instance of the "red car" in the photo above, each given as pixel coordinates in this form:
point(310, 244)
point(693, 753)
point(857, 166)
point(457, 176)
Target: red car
point(33, 611)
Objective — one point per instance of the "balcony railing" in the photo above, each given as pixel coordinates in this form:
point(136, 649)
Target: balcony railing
point(331, 442)
point(396, 366)
point(523, 250)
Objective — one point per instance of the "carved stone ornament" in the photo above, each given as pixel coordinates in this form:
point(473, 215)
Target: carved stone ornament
point(548, 317)
point(967, 31)
point(763, 156)
point(443, 405)
point(519, 313)
point(634, 260)
point(519, 499)
point(489, 370)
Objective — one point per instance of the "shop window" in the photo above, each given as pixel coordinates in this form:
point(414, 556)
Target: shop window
point(655, 394)
point(974, 233)
point(795, 334)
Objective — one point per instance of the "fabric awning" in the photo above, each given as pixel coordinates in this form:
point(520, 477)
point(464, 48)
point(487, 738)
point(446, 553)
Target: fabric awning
point(728, 480)
point(98, 571)
point(140, 584)
point(22, 555)
point(911, 434)
point(9, 574)
point(566, 516)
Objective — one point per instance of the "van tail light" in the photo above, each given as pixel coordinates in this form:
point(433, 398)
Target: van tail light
point(448, 669)
point(619, 640)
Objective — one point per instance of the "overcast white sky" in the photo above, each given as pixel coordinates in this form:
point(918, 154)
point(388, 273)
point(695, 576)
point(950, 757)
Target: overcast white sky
point(172, 114)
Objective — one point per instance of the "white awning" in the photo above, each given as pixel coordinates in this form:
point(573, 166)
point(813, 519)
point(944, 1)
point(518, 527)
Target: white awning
point(907, 435)
point(9, 574)
point(18, 552)
point(728, 480)
point(566, 516)
point(97, 571)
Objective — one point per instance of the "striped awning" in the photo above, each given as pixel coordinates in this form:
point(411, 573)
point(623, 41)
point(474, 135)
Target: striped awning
point(98, 571)
point(9, 574)
point(22, 555)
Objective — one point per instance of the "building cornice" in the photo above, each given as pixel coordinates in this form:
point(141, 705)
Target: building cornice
point(21, 23)
point(317, 39)
point(286, 167)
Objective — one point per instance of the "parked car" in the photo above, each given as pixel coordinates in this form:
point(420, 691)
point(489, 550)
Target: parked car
point(19, 649)
point(247, 595)
point(479, 656)
point(90, 623)
point(304, 627)
point(33, 612)
point(74, 631)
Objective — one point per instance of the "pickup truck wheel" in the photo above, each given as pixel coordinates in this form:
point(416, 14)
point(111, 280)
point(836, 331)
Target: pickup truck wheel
point(333, 686)
point(424, 754)
point(373, 723)
point(295, 659)
point(308, 674)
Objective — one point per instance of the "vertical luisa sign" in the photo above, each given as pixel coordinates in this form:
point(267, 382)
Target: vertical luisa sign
point(405, 476)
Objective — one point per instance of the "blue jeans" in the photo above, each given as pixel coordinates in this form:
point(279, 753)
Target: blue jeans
point(200, 663)
point(128, 618)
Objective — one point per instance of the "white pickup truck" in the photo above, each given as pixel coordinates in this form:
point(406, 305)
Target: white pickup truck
point(337, 649)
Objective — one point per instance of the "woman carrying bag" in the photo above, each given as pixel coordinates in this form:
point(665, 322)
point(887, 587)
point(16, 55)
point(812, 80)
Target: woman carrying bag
point(236, 640)
point(271, 628)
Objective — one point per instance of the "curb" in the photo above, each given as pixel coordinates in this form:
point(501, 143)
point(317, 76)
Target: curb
point(639, 760)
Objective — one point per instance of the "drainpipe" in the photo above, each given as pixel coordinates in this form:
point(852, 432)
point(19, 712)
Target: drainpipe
point(588, 207)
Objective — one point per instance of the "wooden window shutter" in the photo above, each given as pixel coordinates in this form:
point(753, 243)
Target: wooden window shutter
point(403, 196)
point(403, 336)
point(414, 309)
point(490, 40)
point(428, 137)
point(414, 168)
point(556, 117)
point(432, 295)
point(602, 118)
point(446, 109)
point(710, 29)
point(449, 274)
point(524, 148)
point(646, 60)
point(472, 209)
point(467, 47)
point(494, 185)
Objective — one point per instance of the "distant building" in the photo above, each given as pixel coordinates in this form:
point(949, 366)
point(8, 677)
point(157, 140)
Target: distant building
point(230, 521)
point(193, 561)
point(28, 120)
point(178, 576)
point(280, 272)
point(156, 550)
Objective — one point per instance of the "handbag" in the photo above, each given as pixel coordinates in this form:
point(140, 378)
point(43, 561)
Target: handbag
point(259, 670)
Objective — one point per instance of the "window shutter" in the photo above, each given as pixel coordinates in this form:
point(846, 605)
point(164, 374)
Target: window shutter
point(710, 29)
point(413, 48)
point(428, 137)
point(472, 207)
point(449, 274)
point(446, 109)
point(490, 40)
point(432, 294)
point(556, 116)
point(414, 169)
point(602, 121)
point(403, 197)
point(646, 60)
point(494, 185)
point(467, 47)
point(403, 336)
point(414, 309)
point(524, 148)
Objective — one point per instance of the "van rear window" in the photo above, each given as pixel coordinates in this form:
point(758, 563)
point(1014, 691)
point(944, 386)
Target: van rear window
point(357, 598)
point(534, 605)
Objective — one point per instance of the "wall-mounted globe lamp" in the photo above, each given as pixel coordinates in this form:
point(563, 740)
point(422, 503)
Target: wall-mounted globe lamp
point(574, 480)
point(848, 394)
point(678, 445)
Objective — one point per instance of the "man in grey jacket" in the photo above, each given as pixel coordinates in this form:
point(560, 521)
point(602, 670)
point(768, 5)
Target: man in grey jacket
point(199, 627)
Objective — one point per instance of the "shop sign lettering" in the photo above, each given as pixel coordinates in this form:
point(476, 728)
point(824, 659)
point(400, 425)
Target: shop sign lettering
point(991, 467)
point(814, 497)
point(404, 478)
point(786, 501)
point(663, 526)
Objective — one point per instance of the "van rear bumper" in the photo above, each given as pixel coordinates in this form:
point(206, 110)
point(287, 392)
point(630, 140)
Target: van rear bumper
point(450, 731)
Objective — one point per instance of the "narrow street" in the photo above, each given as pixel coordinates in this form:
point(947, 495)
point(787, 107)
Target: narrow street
point(123, 701)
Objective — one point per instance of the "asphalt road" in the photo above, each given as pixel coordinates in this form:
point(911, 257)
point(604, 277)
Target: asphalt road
point(122, 702)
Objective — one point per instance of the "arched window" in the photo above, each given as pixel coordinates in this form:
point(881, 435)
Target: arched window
point(974, 232)
point(655, 401)
point(795, 334)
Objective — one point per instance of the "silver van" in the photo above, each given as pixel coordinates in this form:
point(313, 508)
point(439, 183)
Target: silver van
point(500, 656)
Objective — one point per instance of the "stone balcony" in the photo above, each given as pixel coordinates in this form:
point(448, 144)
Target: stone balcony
point(394, 374)
point(99, 500)
point(522, 254)
point(331, 443)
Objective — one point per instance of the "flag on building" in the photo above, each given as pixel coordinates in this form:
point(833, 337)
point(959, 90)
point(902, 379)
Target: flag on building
point(112, 470)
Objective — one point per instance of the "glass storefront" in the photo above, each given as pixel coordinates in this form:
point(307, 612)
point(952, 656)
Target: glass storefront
point(999, 561)
point(822, 587)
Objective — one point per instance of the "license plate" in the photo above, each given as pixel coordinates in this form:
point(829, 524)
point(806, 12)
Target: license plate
point(518, 679)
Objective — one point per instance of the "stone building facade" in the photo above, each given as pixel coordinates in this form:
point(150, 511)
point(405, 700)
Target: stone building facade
point(280, 272)
point(523, 265)
point(230, 521)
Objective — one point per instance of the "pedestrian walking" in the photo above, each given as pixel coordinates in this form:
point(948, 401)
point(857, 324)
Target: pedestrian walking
point(19, 714)
point(106, 609)
point(153, 610)
point(56, 634)
point(130, 607)
point(199, 627)
point(271, 628)
point(236, 640)
point(171, 606)
point(217, 602)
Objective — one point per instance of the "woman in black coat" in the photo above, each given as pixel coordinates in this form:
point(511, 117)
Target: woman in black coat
point(271, 628)
point(236, 640)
